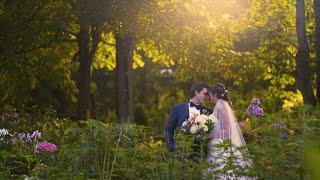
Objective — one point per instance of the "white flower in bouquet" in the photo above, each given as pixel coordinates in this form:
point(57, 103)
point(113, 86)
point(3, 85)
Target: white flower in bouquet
point(185, 123)
point(213, 118)
point(205, 129)
point(202, 119)
point(194, 129)
point(201, 126)
point(185, 126)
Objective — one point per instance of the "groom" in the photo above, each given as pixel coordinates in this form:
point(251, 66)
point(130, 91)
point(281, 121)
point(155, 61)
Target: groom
point(181, 112)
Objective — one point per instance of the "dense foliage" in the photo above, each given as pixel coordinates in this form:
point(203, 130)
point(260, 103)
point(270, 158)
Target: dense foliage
point(281, 145)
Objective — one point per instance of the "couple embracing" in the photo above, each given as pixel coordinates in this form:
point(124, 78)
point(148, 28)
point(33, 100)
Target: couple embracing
point(226, 126)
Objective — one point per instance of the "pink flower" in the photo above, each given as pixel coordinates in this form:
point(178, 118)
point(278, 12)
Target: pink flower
point(45, 146)
point(187, 127)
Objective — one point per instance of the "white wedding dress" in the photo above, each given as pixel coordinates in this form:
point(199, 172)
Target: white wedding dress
point(226, 128)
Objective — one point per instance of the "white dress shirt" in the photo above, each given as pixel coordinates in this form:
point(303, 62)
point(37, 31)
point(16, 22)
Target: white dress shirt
point(193, 111)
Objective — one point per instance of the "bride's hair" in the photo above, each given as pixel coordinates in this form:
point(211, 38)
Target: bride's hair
point(221, 91)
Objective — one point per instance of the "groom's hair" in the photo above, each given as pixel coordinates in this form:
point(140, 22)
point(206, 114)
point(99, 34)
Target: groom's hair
point(197, 87)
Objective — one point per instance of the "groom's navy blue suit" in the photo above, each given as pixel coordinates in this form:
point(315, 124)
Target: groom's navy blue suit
point(180, 113)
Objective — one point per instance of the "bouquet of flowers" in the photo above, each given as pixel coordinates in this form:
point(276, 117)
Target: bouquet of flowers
point(198, 125)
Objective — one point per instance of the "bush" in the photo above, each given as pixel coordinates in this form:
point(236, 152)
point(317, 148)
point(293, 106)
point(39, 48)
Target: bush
point(277, 143)
point(282, 145)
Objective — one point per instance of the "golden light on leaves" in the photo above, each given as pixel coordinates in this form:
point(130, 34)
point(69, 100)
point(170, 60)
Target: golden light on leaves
point(291, 99)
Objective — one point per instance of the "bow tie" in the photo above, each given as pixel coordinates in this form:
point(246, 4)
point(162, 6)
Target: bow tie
point(198, 107)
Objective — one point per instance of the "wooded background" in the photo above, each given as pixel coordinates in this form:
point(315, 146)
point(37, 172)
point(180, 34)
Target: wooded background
point(135, 59)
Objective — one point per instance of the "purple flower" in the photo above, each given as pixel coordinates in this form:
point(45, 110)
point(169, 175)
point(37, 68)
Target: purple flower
point(256, 101)
point(22, 135)
point(45, 147)
point(36, 135)
point(283, 136)
point(30, 138)
point(259, 111)
point(254, 108)
point(25, 137)
point(282, 126)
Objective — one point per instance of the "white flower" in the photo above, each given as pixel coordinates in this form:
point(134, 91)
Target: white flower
point(205, 129)
point(194, 129)
point(201, 126)
point(213, 118)
point(201, 119)
point(4, 132)
point(184, 123)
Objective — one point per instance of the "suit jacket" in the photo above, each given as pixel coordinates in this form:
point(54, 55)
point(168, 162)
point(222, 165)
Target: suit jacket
point(180, 113)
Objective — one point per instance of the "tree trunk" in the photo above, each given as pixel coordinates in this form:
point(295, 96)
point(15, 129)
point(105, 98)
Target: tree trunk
point(83, 109)
point(124, 61)
point(302, 58)
point(317, 43)
point(93, 107)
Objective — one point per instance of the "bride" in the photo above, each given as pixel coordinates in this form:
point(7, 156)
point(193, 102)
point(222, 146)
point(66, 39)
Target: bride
point(226, 130)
